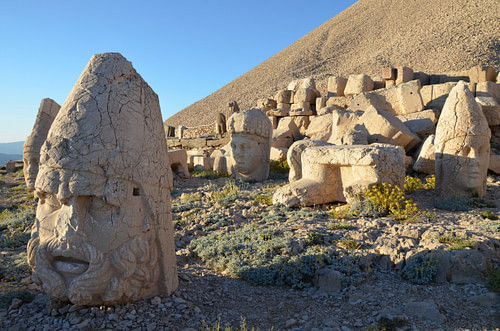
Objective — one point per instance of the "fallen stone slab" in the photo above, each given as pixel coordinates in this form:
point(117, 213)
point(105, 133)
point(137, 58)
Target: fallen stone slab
point(329, 172)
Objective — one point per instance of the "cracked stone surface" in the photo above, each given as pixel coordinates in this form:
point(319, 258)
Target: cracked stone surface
point(31, 149)
point(103, 231)
point(251, 135)
point(462, 146)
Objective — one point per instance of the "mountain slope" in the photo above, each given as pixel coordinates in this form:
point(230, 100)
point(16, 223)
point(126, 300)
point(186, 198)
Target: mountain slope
point(428, 35)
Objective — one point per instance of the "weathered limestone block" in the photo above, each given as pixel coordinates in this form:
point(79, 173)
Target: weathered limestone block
point(344, 122)
point(488, 89)
point(284, 96)
point(327, 110)
point(203, 163)
point(339, 102)
point(305, 95)
point(491, 109)
point(267, 104)
point(223, 164)
point(282, 138)
point(308, 83)
point(320, 127)
point(178, 163)
point(251, 134)
point(390, 82)
point(357, 84)
point(273, 120)
point(389, 73)
point(426, 94)
point(404, 74)
point(378, 82)
point(398, 100)
point(462, 146)
point(294, 156)
point(426, 160)
point(482, 74)
point(31, 149)
point(439, 95)
point(278, 154)
point(103, 231)
point(192, 154)
point(287, 123)
point(302, 108)
point(329, 171)
point(422, 123)
point(494, 164)
point(388, 129)
point(294, 85)
point(282, 109)
point(302, 123)
point(321, 102)
point(336, 86)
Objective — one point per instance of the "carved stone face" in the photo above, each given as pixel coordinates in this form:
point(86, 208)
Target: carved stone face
point(30, 168)
point(463, 166)
point(82, 239)
point(248, 153)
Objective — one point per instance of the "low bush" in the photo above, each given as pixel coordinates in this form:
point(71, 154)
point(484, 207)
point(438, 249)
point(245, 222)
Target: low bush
point(463, 204)
point(24, 295)
point(454, 242)
point(420, 269)
point(264, 257)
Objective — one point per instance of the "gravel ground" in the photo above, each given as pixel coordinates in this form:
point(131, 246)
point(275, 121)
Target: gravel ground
point(206, 296)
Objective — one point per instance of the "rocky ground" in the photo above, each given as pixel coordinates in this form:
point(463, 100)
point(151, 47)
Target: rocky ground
point(362, 287)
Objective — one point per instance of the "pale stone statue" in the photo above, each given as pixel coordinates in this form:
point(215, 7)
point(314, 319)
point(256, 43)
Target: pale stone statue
point(251, 134)
point(31, 149)
point(328, 173)
point(103, 232)
point(233, 107)
point(220, 125)
point(462, 145)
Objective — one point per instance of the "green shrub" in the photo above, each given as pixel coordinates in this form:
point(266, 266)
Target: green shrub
point(263, 257)
point(278, 169)
point(315, 238)
point(17, 219)
point(384, 200)
point(463, 204)
point(487, 214)
point(494, 280)
point(412, 184)
point(455, 242)
point(265, 198)
point(341, 226)
point(218, 326)
point(14, 239)
point(207, 174)
point(349, 243)
point(387, 324)
point(24, 295)
point(430, 183)
point(420, 269)
point(229, 193)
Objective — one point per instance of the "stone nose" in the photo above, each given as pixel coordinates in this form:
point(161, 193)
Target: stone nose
point(71, 218)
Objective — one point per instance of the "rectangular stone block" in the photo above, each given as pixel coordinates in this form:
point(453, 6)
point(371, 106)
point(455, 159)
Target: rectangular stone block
point(336, 86)
point(482, 74)
point(341, 102)
point(287, 123)
point(284, 96)
point(422, 123)
point(357, 84)
point(488, 89)
point(389, 73)
point(321, 102)
point(404, 74)
point(305, 95)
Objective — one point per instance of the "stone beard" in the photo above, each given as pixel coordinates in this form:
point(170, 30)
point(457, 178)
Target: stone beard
point(87, 250)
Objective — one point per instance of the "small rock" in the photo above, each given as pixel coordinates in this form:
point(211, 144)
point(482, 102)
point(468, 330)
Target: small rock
point(291, 322)
point(178, 301)
point(156, 301)
point(486, 300)
point(425, 310)
point(15, 304)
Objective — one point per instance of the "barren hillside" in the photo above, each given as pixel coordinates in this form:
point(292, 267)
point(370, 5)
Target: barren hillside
point(428, 35)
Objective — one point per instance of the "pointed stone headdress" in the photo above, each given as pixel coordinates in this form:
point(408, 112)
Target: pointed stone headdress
point(461, 116)
point(109, 136)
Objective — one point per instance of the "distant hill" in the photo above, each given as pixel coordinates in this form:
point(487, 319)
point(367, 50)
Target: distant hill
point(4, 158)
point(12, 148)
point(427, 35)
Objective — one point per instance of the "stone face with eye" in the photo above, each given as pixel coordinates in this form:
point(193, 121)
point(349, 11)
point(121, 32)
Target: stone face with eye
point(462, 146)
point(103, 232)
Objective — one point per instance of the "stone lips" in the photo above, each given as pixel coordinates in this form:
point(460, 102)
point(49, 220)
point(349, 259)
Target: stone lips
point(108, 141)
point(429, 36)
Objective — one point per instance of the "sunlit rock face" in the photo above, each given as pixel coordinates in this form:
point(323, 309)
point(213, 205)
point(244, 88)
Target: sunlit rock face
point(251, 134)
point(31, 149)
point(103, 231)
point(462, 146)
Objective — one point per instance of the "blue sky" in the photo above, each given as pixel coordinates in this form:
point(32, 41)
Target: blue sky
point(185, 50)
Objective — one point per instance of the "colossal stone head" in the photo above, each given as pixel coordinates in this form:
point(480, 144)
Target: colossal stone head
point(31, 149)
point(103, 231)
point(251, 134)
point(462, 146)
